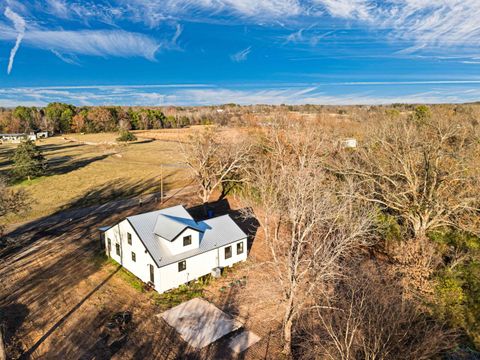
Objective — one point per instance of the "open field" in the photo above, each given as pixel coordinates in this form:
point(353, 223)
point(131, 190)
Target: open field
point(58, 292)
point(81, 164)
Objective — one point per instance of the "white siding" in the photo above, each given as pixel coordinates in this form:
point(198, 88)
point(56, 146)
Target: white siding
point(198, 266)
point(176, 246)
point(235, 257)
point(140, 268)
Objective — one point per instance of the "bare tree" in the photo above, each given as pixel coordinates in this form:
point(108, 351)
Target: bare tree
point(309, 230)
point(421, 171)
point(369, 319)
point(213, 162)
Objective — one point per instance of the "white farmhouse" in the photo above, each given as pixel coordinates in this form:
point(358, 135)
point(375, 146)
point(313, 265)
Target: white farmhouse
point(168, 247)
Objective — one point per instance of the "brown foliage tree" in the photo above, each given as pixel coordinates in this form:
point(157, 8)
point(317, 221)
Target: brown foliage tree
point(309, 230)
point(368, 318)
point(213, 163)
point(421, 171)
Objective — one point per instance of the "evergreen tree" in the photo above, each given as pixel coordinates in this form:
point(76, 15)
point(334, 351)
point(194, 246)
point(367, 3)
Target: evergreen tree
point(28, 161)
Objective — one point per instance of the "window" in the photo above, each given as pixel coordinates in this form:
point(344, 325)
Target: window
point(117, 249)
point(134, 257)
point(187, 240)
point(129, 238)
point(228, 252)
point(109, 242)
point(182, 265)
point(240, 248)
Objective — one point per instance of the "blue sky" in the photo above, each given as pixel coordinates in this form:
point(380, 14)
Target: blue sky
point(201, 52)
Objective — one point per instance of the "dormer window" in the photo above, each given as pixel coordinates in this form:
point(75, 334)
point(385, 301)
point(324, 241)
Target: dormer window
point(187, 240)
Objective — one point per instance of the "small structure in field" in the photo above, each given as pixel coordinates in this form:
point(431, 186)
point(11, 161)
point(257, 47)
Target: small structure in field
point(349, 143)
point(167, 248)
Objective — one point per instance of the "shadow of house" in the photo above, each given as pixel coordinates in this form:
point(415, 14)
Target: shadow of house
point(243, 217)
point(82, 216)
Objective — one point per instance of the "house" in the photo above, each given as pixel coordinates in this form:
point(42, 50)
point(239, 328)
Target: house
point(17, 138)
point(167, 247)
point(42, 134)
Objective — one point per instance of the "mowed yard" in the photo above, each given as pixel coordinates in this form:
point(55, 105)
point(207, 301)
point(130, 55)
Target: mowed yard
point(93, 168)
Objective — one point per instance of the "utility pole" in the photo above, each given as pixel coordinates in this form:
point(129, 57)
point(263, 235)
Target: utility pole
point(161, 183)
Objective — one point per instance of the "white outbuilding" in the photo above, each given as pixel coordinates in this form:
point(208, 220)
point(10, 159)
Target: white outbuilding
point(167, 248)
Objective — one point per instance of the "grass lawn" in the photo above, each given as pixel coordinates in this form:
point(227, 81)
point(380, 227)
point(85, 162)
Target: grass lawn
point(91, 168)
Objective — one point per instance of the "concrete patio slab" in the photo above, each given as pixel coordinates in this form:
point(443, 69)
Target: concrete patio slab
point(243, 341)
point(199, 322)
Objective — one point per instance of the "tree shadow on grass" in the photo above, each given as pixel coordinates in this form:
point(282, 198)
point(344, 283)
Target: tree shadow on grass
point(83, 215)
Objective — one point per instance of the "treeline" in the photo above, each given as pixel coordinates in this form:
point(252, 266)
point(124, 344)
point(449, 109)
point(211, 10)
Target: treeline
point(64, 118)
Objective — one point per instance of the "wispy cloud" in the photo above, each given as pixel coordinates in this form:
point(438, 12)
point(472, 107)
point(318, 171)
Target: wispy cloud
point(183, 95)
point(242, 55)
point(19, 24)
point(95, 42)
point(88, 42)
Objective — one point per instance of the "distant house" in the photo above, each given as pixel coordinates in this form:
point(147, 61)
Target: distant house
point(167, 247)
point(42, 134)
point(16, 138)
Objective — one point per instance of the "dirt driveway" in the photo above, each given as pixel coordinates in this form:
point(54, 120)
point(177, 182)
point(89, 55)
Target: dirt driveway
point(57, 293)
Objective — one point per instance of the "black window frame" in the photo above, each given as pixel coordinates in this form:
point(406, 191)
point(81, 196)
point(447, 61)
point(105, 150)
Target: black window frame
point(189, 237)
point(240, 247)
point(134, 257)
point(230, 251)
point(117, 249)
point(182, 265)
point(109, 245)
point(129, 238)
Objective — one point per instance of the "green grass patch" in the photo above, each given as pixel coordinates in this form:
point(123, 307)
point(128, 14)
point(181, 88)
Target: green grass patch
point(131, 279)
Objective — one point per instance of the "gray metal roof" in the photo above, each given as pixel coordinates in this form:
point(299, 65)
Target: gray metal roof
point(169, 226)
point(214, 233)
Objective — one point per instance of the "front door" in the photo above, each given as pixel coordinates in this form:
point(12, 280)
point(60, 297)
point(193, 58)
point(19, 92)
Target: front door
point(152, 277)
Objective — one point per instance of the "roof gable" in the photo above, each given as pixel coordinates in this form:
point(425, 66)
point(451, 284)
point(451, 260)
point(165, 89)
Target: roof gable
point(169, 227)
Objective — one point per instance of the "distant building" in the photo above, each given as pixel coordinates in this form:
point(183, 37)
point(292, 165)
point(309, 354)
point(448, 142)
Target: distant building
point(17, 138)
point(42, 134)
point(349, 143)
point(167, 248)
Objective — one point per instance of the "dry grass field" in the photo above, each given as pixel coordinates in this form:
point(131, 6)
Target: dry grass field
point(78, 165)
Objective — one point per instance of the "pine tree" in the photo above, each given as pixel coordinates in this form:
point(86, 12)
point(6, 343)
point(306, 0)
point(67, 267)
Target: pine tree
point(28, 161)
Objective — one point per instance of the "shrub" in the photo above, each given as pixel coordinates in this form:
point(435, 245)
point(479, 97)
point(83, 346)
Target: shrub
point(126, 135)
